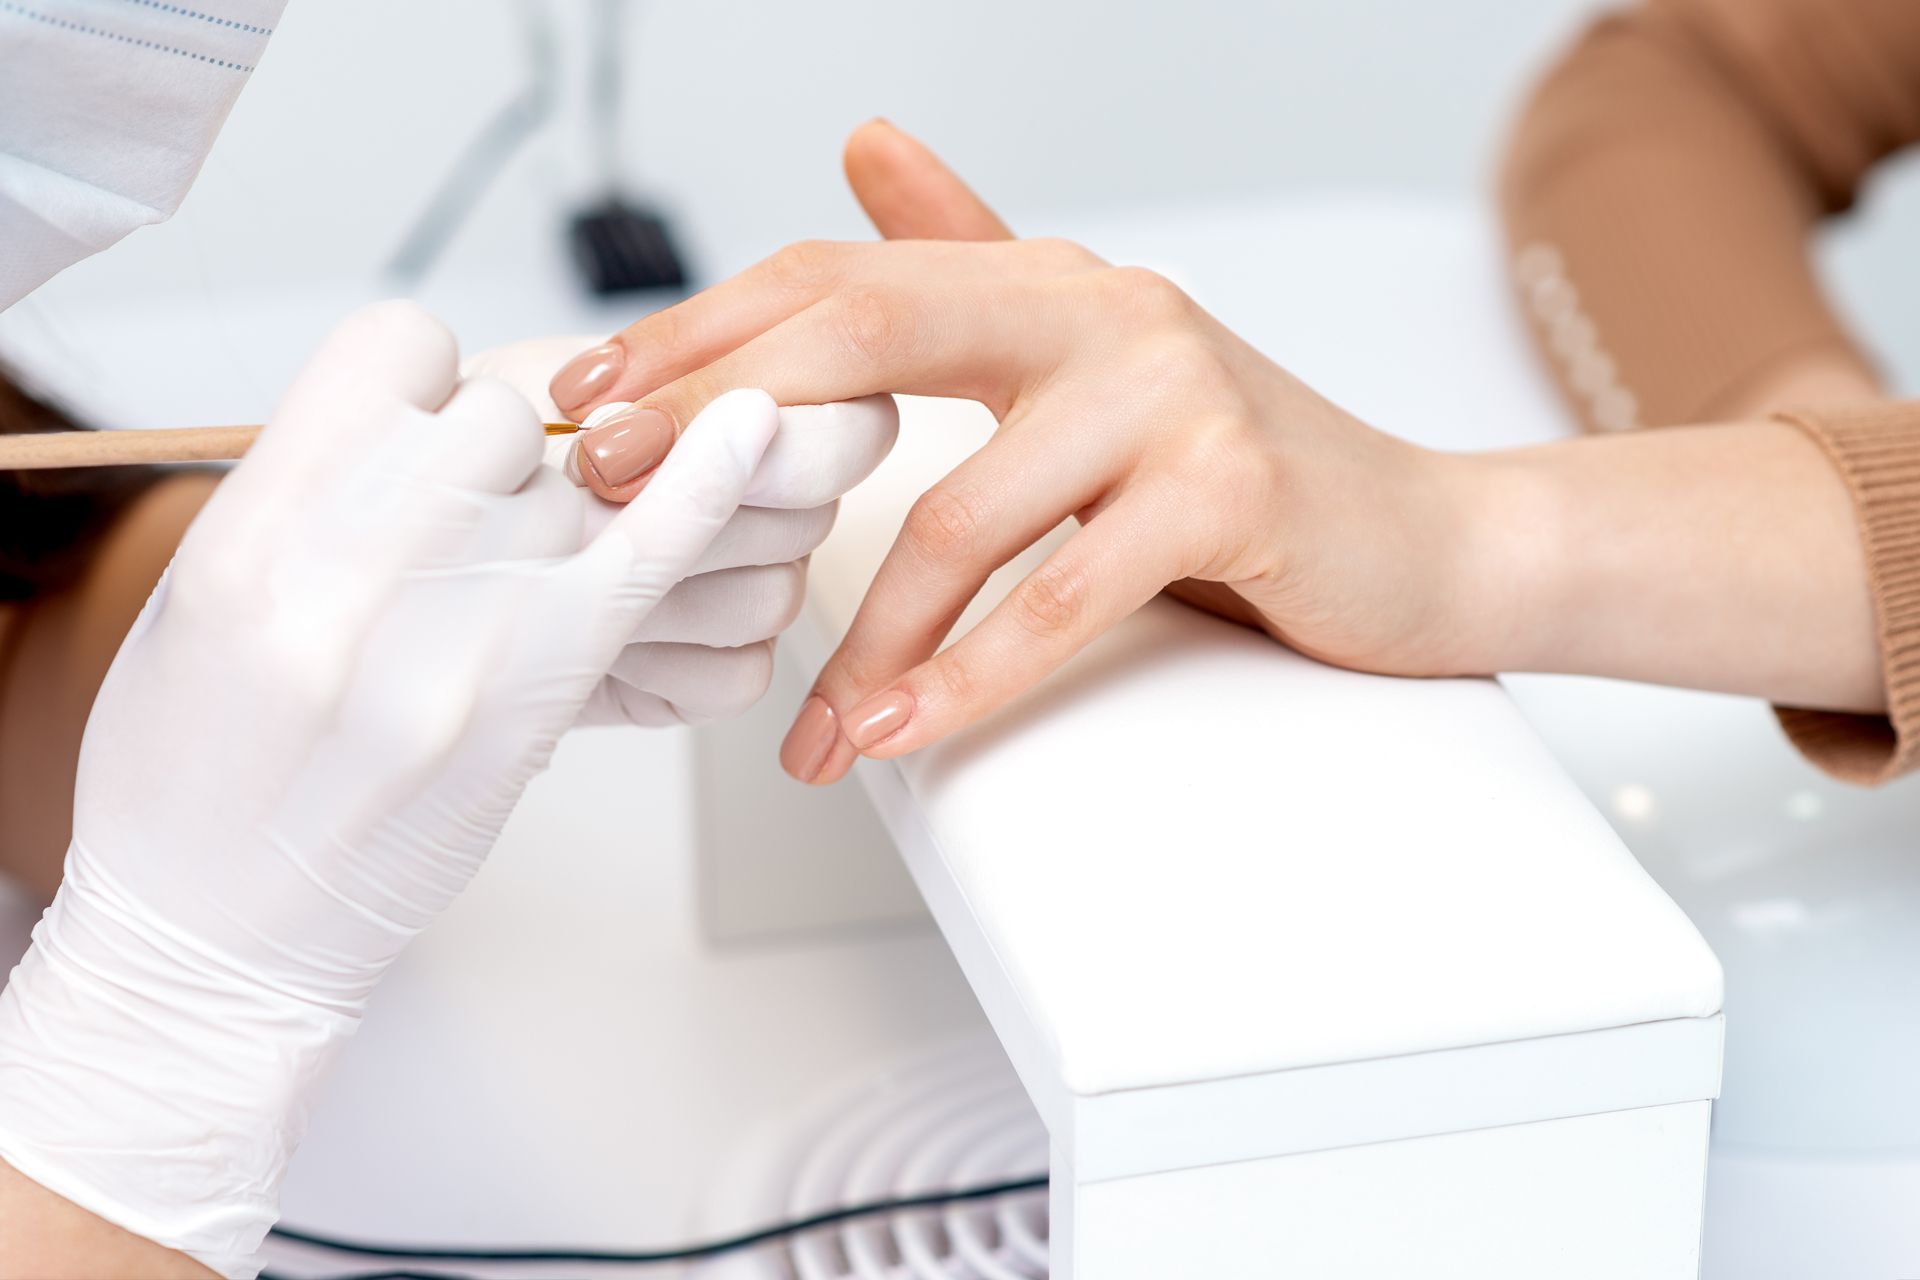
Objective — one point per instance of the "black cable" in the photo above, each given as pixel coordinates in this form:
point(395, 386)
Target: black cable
point(684, 1253)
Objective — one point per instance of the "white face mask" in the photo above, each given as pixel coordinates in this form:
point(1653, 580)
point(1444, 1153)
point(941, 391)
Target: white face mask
point(107, 109)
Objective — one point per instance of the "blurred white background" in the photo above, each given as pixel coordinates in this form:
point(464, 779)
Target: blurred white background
point(735, 110)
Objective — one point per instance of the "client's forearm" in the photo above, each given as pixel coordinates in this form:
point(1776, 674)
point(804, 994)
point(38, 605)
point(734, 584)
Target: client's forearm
point(1716, 557)
point(47, 1237)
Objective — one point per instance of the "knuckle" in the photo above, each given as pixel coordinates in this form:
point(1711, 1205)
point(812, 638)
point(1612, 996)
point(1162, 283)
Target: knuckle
point(755, 674)
point(1050, 603)
point(943, 526)
point(684, 398)
point(751, 679)
point(212, 581)
point(1185, 364)
point(808, 528)
point(1062, 254)
point(785, 595)
point(805, 265)
point(726, 682)
point(874, 324)
point(856, 669)
point(301, 660)
point(954, 679)
point(629, 704)
point(1145, 294)
point(1210, 454)
point(423, 728)
point(1215, 473)
point(662, 335)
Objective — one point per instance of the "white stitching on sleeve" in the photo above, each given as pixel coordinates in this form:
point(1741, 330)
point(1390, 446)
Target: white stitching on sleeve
point(1572, 337)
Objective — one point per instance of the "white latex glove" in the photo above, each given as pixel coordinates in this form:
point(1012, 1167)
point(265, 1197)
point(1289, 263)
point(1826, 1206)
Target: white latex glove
point(367, 644)
point(707, 651)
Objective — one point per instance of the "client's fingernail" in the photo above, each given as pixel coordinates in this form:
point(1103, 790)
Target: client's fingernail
point(839, 759)
point(587, 376)
point(878, 718)
point(811, 740)
point(626, 445)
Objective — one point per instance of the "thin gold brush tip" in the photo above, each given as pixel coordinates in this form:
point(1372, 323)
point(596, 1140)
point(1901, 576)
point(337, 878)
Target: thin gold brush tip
point(561, 428)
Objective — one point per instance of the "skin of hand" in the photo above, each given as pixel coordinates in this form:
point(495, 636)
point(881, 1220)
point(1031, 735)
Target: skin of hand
point(1186, 454)
point(908, 193)
point(368, 643)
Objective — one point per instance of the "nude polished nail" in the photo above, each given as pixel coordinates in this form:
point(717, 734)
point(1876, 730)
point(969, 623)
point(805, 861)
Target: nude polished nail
point(587, 376)
point(626, 445)
point(811, 741)
point(879, 718)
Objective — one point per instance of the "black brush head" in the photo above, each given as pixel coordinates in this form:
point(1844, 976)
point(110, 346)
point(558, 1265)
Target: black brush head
point(622, 249)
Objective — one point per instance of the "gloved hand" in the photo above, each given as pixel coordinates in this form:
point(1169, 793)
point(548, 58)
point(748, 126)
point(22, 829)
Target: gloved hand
point(707, 651)
point(367, 644)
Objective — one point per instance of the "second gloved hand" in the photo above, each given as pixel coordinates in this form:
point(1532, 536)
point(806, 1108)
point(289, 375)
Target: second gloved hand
point(707, 651)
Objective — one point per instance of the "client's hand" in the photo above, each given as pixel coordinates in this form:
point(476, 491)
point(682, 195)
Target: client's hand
point(1185, 454)
point(707, 651)
point(368, 643)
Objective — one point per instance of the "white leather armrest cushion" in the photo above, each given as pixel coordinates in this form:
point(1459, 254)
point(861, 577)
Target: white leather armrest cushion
point(1193, 854)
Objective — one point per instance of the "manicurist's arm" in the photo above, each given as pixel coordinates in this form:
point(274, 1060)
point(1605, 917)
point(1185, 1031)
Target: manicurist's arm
point(80, 552)
point(48, 1237)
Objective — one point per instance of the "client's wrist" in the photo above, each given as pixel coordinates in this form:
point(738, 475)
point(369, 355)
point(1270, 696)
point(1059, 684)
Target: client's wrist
point(1508, 564)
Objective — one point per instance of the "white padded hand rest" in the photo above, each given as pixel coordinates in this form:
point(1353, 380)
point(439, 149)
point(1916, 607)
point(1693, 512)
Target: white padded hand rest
point(1193, 854)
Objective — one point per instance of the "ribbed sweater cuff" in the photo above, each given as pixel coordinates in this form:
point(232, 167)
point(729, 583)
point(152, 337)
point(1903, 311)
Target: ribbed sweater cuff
point(1877, 451)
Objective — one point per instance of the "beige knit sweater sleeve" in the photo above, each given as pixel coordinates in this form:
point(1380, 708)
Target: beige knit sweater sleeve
point(1659, 192)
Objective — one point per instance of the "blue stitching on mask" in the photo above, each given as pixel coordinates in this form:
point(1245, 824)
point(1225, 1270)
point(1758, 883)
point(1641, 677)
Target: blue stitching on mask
point(203, 17)
point(6, 6)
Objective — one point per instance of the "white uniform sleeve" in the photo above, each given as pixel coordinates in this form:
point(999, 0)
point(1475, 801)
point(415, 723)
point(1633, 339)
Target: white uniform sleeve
point(107, 110)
